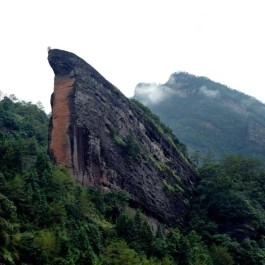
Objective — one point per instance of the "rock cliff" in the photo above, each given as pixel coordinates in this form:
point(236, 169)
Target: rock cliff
point(107, 141)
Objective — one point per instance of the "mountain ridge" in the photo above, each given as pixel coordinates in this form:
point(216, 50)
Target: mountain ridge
point(207, 116)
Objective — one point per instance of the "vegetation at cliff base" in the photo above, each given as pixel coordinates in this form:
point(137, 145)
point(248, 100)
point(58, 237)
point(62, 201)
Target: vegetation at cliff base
point(46, 219)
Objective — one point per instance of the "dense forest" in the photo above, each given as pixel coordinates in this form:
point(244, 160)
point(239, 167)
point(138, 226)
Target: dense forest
point(46, 219)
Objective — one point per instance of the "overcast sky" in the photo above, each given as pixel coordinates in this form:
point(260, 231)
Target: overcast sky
point(132, 41)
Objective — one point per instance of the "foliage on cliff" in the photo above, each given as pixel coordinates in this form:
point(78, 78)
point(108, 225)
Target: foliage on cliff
point(165, 130)
point(46, 219)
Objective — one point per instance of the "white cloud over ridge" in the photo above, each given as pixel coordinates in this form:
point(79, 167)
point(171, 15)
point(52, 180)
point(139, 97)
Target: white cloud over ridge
point(153, 93)
point(208, 92)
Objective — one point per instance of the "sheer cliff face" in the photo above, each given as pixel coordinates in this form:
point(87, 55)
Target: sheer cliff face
point(105, 140)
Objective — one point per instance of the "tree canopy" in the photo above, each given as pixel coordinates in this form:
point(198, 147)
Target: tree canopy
point(45, 218)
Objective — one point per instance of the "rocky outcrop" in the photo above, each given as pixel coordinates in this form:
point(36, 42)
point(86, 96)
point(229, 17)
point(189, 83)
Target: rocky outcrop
point(107, 141)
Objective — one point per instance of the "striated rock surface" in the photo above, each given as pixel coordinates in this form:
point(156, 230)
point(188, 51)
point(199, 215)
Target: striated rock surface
point(107, 141)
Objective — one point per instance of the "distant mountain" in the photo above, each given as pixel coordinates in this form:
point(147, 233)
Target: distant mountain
point(207, 116)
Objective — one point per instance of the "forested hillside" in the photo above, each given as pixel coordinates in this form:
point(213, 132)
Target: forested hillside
point(210, 118)
point(47, 219)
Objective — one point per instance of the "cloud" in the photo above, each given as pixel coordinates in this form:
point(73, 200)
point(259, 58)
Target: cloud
point(208, 92)
point(152, 93)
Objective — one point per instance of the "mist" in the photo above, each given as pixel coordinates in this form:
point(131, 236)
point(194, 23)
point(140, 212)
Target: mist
point(208, 92)
point(153, 93)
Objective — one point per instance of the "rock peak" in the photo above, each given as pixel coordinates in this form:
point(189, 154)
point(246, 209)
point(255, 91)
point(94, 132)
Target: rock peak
point(66, 63)
point(108, 141)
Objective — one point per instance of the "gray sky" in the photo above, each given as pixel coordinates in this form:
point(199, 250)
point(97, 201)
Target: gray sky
point(132, 41)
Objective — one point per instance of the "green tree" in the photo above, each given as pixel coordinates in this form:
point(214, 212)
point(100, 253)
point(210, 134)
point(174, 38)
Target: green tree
point(118, 253)
point(221, 256)
point(8, 229)
point(197, 252)
point(159, 243)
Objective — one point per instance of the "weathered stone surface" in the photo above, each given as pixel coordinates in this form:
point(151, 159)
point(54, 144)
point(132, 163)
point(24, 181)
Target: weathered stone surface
point(60, 120)
point(105, 140)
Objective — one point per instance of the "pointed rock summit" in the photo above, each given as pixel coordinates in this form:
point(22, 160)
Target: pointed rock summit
point(107, 141)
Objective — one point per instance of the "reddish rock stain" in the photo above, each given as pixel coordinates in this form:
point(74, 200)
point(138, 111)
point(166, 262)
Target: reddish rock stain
point(60, 141)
